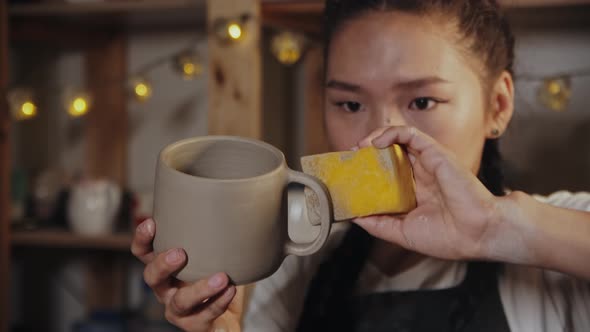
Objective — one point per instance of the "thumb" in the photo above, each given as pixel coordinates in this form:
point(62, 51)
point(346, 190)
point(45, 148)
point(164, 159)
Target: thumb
point(388, 228)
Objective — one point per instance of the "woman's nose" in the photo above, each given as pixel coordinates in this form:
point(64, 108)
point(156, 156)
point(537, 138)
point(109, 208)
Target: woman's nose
point(390, 116)
point(381, 120)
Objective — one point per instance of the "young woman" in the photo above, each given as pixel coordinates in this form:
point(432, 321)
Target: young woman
point(435, 76)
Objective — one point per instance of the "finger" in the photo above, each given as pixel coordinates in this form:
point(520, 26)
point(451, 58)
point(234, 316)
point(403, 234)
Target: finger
point(388, 228)
point(158, 273)
point(409, 136)
point(141, 246)
point(236, 306)
point(368, 141)
point(431, 154)
point(217, 305)
point(187, 298)
point(202, 319)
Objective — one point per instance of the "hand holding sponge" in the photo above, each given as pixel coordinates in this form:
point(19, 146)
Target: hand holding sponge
point(365, 182)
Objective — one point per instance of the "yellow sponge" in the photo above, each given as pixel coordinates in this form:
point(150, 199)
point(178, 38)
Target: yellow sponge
point(365, 182)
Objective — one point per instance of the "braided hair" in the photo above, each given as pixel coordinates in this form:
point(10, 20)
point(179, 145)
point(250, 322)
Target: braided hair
point(487, 35)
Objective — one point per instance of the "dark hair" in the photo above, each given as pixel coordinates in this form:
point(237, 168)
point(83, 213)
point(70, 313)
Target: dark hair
point(481, 25)
point(484, 32)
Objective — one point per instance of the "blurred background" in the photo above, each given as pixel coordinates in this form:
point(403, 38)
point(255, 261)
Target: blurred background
point(92, 90)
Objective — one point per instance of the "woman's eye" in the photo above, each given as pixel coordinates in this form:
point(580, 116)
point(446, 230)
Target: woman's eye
point(350, 106)
point(423, 103)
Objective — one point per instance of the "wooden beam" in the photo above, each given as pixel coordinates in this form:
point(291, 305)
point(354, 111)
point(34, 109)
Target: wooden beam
point(307, 16)
point(57, 34)
point(5, 164)
point(315, 137)
point(64, 9)
point(65, 239)
point(309, 25)
point(293, 7)
point(105, 282)
point(278, 84)
point(106, 140)
point(235, 72)
point(542, 3)
point(301, 16)
point(107, 121)
point(315, 7)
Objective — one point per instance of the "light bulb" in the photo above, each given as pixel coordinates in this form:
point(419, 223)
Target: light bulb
point(555, 93)
point(234, 31)
point(142, 89)
point(21, 104)
point(78, 104)
point(188, 69)
point(287, 47)
point(28, 109)
point(231, 30)
point(188, 64)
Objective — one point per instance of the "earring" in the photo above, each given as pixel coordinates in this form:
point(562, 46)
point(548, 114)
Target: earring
point(495, 132)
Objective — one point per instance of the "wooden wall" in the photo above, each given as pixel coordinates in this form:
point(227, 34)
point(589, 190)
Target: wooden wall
point(4, 173)
point(235, 74)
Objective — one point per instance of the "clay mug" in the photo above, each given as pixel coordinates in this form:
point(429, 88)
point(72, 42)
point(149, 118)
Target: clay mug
point(223, 200)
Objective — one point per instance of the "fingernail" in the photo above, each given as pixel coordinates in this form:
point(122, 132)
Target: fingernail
point(230, 292)
point(217, 280)
point(174, 256)
point(146, 227)
point(354, 148)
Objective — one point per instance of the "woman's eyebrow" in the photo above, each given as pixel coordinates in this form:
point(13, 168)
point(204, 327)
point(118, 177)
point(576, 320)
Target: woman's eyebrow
point(400, 85)
point(418, 82)
point(340, 85)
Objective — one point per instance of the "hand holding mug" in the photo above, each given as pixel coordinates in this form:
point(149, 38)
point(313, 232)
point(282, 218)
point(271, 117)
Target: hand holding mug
point(200, 306)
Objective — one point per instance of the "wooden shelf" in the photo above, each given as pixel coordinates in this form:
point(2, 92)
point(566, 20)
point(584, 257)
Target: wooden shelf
point(306, 16)
point(146, 14)
point(65, 239)
point(303, 16)
point(542, 3)
point(103, 7)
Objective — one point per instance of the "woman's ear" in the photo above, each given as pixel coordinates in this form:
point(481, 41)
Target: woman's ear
point(502, 105)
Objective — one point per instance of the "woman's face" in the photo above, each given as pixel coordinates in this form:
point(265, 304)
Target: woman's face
point(391, 69)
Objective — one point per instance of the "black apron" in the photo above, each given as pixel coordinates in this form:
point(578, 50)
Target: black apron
point(472, 306)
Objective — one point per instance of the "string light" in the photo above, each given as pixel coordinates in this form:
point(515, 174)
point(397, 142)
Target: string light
point(21, 104)
point(142, 89)
point(78, 104)
point(287, 47)
point(188, 64)
point(234, 30)
point(231, 30)
point(28, 109)
point(555, 93)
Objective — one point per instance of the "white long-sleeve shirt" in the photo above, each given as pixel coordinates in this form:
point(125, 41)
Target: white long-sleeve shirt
point(534, 300)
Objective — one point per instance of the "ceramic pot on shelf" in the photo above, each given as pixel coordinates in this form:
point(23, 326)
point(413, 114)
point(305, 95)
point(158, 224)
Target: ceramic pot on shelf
point(93, 207)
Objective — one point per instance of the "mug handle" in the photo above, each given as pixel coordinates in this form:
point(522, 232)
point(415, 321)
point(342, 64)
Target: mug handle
point(325, 214)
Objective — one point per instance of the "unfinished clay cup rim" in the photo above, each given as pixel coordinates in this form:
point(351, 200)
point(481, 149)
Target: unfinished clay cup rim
point(167, 152)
